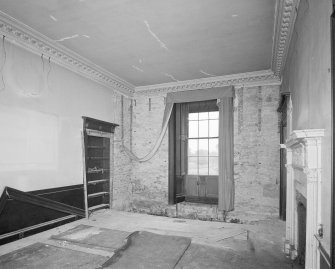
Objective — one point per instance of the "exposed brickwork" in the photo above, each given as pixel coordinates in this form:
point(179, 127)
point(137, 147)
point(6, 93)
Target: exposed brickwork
point(256, 153)
point(122, 164)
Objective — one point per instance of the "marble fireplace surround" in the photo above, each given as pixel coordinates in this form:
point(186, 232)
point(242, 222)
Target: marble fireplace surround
point(304, 180)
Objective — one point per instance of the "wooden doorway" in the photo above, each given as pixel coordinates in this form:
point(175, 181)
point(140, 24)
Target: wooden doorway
point(283, 136)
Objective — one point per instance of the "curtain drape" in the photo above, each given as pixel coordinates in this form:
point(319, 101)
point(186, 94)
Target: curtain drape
point(226, 155)
point(226, 152)
point(180, 97)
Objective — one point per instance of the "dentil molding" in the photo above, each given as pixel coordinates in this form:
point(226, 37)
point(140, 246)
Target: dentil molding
point(286, 12)
point(258, 78)
point(29, 39)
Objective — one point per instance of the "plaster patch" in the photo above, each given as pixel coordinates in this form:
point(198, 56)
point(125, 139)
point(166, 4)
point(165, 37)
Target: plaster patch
point(207, 74)
point(155, 36)
point(67, 37)
point(53, 18)
point(137, 68)
point(170, 76)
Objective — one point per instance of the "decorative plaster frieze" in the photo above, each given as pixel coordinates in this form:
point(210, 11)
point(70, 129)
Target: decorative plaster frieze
point(250, 79)
point(284, 25)
point(29, 39)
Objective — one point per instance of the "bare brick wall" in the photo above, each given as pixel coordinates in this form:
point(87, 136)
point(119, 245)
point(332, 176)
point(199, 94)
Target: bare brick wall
point(122, 164)
point(256, 152)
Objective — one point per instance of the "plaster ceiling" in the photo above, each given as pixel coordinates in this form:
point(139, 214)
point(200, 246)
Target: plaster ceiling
point(148, 42)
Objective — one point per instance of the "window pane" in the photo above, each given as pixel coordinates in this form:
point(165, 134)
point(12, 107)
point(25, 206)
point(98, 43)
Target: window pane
point(203, 165)
point(203, 128)
point(193, 147)
point(193, 129)
point(203, 147)
point(214, 128)
point(214, 147)
point(193, 116)
point(214, 115)
point(192, 165)
point(214, 165)
point(203, 116)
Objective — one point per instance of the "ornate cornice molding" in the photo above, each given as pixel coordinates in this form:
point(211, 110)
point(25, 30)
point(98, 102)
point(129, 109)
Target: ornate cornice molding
point(35, 42)
point(258, 78)
point(284, 25)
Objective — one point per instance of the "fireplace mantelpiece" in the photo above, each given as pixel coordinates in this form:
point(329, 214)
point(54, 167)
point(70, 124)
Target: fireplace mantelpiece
point(303, 149)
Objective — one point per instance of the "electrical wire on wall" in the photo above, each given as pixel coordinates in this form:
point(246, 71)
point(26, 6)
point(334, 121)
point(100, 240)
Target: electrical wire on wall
point(41, 84)
point(49, 70)
point(4, 56)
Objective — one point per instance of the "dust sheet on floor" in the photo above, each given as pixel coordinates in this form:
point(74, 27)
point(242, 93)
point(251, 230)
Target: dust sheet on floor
point(93, 237)
point(145, 250)
point(41, 256)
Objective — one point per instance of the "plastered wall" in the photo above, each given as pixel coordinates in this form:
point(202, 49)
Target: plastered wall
point(307, 76)
point(41, 109)
point(256, 157)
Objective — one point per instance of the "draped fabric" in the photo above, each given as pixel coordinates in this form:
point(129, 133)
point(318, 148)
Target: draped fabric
point(226, 155)
point(152, 152)
point(180, 97)
point(226, 159)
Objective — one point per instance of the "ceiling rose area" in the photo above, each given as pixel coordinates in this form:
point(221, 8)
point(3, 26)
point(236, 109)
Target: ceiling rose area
point(148, 42)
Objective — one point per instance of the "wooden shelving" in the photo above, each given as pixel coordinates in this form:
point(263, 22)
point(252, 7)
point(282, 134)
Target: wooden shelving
point(97, 181)
point(96, 194)
point(98, 148)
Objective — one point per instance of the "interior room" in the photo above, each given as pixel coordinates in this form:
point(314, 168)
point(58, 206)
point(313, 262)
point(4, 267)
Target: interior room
point(167, 134)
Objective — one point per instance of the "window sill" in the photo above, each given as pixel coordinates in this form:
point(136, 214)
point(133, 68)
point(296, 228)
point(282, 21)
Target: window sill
point(202, 200)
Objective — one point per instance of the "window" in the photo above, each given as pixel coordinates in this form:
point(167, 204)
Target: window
point(201, 162)
point(203, 143)
point(195, 158)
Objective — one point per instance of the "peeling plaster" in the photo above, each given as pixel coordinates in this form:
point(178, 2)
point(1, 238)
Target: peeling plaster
point(71, 37)
point(207, 74)
point(137, 68)
point(161, 43)
point(67, 37)
point(53, 18)
point(170, 76)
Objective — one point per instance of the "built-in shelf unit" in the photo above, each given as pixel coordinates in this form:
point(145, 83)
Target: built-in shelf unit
point(98, 164)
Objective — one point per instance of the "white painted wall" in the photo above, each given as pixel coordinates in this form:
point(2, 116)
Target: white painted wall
point(41, 121)
point(307, 76)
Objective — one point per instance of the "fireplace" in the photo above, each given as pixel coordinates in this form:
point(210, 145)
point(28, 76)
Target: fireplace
point(301, 217)
point(303, 211)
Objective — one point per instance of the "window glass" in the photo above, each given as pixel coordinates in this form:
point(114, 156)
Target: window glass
point(213, 147)
point(203, 116)
point(203, 147)
point(193, 147)
point(193, 127)
point(213, 165)
point(203, 165)
point(192, 165)
point(203, 143)
point(213, 128)
point(213, 115)
point(193, 116)
point(203, 128)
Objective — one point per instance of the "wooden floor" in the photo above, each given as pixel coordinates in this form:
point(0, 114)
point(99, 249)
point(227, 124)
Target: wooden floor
point(213, 244)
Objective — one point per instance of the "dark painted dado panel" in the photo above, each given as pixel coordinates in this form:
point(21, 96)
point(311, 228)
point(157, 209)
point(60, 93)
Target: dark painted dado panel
point(18, 215)
point(19, 210)
point(71, 195)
